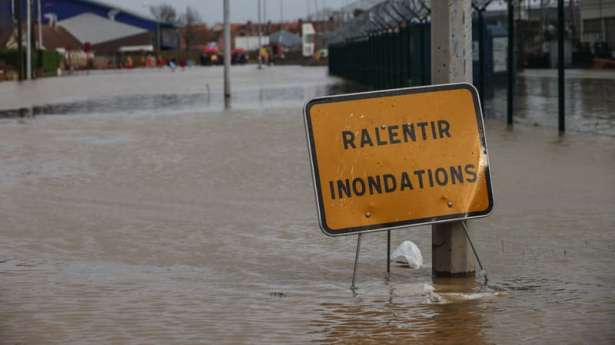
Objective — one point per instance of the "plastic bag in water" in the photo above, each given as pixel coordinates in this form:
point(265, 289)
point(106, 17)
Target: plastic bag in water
point(409, 253)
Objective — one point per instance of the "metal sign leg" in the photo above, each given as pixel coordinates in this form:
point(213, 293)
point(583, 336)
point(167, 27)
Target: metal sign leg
point(388, 253)
point(480, 264)
point(356, 264)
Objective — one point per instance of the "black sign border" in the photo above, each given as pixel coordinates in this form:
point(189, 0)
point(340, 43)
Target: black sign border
point(401, 224)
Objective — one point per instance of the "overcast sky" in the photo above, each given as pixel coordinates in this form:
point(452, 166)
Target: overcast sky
point(241, 10)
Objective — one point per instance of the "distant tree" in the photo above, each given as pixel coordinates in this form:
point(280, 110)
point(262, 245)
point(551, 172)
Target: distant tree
point(189, 20)
point(164, 13)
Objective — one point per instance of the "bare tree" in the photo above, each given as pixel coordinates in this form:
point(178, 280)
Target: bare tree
point(189, 20)
point(164, 13)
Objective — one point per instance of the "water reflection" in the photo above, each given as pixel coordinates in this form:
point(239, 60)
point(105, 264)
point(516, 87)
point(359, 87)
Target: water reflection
point(408, 313)
point(589, 104)
point(118, 104)
point(172, 103)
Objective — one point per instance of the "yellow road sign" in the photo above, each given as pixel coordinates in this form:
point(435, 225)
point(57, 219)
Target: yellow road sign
point(389, 159)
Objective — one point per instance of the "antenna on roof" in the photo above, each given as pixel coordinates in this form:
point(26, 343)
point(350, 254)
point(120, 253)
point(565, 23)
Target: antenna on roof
point(112, 13)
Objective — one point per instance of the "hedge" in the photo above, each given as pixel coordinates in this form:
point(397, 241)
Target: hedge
point(49, 61)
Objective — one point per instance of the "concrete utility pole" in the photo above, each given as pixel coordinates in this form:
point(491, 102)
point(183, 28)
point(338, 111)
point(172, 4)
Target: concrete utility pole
point(29, 40)
point(265, 11)
point(227, 53)
point(451, 53)
point(40, 25)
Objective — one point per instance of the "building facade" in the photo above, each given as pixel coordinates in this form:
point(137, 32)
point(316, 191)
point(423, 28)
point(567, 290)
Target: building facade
point(598, 23)
point(104, 27)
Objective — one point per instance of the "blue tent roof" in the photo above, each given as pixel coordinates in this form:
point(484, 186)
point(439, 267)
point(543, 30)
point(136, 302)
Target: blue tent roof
point(285, 38)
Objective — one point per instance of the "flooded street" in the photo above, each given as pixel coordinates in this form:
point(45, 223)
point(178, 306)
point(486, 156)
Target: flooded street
point(589, 104)
point(144, 213)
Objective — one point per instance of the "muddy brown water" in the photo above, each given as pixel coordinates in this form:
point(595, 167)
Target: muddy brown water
point(199, 227)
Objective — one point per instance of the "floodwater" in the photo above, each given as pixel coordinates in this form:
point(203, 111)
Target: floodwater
point(188, 224)
point(162, 91)
point(589, 101)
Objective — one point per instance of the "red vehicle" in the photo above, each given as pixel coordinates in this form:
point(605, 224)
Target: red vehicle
point(211, 55)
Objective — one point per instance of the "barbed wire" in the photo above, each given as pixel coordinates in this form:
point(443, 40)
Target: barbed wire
point(389, 15)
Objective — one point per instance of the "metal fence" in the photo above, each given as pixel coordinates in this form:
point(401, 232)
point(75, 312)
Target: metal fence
point(389, 45)
point(385, 59)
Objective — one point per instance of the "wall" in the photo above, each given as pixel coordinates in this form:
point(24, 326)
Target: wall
point(250, 43)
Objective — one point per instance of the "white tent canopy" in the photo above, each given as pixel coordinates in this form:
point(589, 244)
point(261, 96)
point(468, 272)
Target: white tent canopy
point(88, 27)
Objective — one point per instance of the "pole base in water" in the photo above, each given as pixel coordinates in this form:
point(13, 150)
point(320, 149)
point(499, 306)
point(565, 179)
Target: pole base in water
point(451, 254)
